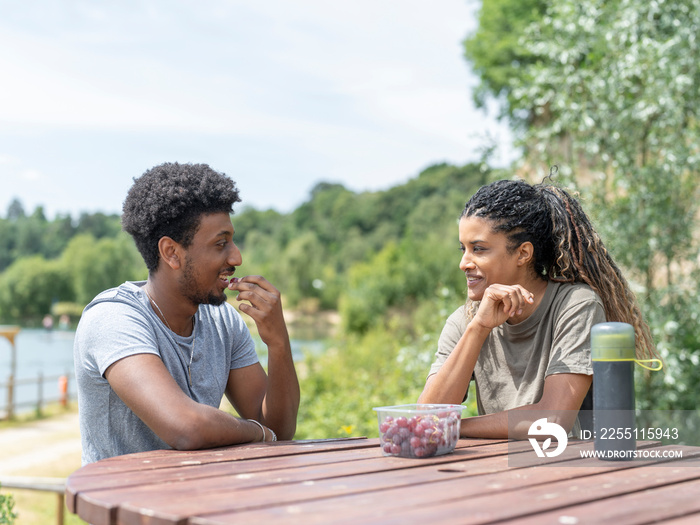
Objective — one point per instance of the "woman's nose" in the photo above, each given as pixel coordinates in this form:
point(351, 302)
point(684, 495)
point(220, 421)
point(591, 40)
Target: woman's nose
point(465, 262)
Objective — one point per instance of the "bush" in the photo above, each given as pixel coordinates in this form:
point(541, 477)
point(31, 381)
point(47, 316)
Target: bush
point(386, 365)
point(7, 505)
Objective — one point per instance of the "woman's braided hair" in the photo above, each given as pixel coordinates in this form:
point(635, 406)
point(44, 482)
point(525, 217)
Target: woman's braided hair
point(566, 246)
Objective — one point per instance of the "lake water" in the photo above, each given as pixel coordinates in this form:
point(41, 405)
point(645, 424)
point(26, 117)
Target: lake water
point(50, 353)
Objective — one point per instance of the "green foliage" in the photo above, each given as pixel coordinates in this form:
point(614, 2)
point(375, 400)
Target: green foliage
point(372, 288)
point(344, 383)
point(23, 235)
point(7, 505)
point(47, 263)
point(389, 261)
point(391, 246)
point(96, 265)
point(251, 220)
point(495, 51)
point(99, 225)
point(363, 252)
point(674, 318)
point(609, 94)
point(30, 286)
point(386, 365)
point(73, 310)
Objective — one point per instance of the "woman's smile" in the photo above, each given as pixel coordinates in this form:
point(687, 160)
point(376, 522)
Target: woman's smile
point(486, 258)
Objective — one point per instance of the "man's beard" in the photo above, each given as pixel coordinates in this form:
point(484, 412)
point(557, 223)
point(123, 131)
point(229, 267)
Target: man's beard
point(189, 288)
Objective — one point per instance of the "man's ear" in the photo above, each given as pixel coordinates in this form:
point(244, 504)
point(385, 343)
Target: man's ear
point(525, 253)
point(170, 252)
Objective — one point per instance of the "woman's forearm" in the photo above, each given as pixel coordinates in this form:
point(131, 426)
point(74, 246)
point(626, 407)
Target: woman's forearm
point(450, 383)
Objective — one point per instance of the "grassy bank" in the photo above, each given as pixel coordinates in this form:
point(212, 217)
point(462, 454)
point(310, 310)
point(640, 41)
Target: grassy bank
point(40, 445)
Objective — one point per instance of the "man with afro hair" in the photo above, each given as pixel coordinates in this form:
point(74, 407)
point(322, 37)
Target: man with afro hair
point(154, 358)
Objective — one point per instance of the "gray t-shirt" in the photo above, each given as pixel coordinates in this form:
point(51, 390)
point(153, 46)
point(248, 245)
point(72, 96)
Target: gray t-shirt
point(119, 323)
point(515, 359)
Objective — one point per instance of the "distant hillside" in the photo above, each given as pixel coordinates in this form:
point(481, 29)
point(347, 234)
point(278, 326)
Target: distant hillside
point(363, 252)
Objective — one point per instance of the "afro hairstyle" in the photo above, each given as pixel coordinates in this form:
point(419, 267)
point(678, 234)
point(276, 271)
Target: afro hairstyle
point(169, 200)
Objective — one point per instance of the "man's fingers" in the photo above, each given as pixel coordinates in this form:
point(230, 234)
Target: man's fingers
point(256, 299)
point(239, 283)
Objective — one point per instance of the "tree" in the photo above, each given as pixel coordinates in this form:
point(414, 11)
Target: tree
point(56, 236)
point(251, 220)
point(29, 233)
point(30, 286)
point(495, 51)
point(99, 225)
point(15, 210)
point(8, 238)
point(611, 92)
point(615, 86)
point(97, 265)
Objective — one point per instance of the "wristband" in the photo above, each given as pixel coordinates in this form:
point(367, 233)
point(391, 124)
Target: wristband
point(263, 429)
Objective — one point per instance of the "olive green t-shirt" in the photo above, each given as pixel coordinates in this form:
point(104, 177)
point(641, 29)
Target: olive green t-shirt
point(515, 359)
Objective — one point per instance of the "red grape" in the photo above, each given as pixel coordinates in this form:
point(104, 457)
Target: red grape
point(421, 435)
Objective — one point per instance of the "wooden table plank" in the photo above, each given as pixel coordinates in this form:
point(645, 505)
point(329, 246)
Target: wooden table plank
point(412, 485)
point(156, 459)
point(95, 505)
point(690, 519)
point(351, 481)
point(137, 478)
point(127, 470)
point(534, 500)
point(376, 503)
point(680, 500)
point(95, 496)
point(477, 499)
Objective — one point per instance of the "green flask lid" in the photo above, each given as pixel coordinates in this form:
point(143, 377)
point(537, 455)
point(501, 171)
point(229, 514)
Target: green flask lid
point(612, 342)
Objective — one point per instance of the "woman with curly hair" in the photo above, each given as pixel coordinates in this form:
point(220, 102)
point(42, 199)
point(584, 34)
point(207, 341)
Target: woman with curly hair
point(539, 278)
point(154, 359)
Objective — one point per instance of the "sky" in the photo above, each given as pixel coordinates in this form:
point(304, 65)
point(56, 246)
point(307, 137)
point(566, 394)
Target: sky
point(279, 95)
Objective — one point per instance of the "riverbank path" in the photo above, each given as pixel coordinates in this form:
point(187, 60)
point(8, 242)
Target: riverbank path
point(39, 448)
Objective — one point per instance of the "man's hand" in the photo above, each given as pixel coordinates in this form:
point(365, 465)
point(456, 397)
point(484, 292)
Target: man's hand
point(273, 399)
point(265, 307)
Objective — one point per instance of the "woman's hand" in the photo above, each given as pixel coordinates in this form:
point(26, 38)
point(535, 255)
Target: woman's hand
point(501, 302)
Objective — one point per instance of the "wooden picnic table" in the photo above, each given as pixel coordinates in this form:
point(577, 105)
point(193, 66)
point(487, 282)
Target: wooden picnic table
point(349, 481)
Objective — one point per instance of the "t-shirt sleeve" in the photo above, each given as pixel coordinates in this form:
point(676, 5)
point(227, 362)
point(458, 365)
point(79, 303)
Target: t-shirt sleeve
point(571, 344)
point(449, 337)
point(111, 331)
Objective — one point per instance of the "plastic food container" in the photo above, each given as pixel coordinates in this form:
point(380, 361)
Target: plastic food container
point(418, 430)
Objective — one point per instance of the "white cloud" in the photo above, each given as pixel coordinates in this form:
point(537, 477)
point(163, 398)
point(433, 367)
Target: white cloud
point(363, 92)
point(8, 160)
point(31, 175)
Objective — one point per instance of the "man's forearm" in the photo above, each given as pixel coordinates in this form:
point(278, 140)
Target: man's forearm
point(281, 403)
point(203, 426)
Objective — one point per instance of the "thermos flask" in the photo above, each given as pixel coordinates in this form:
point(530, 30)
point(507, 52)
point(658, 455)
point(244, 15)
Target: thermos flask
point(613, 356)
